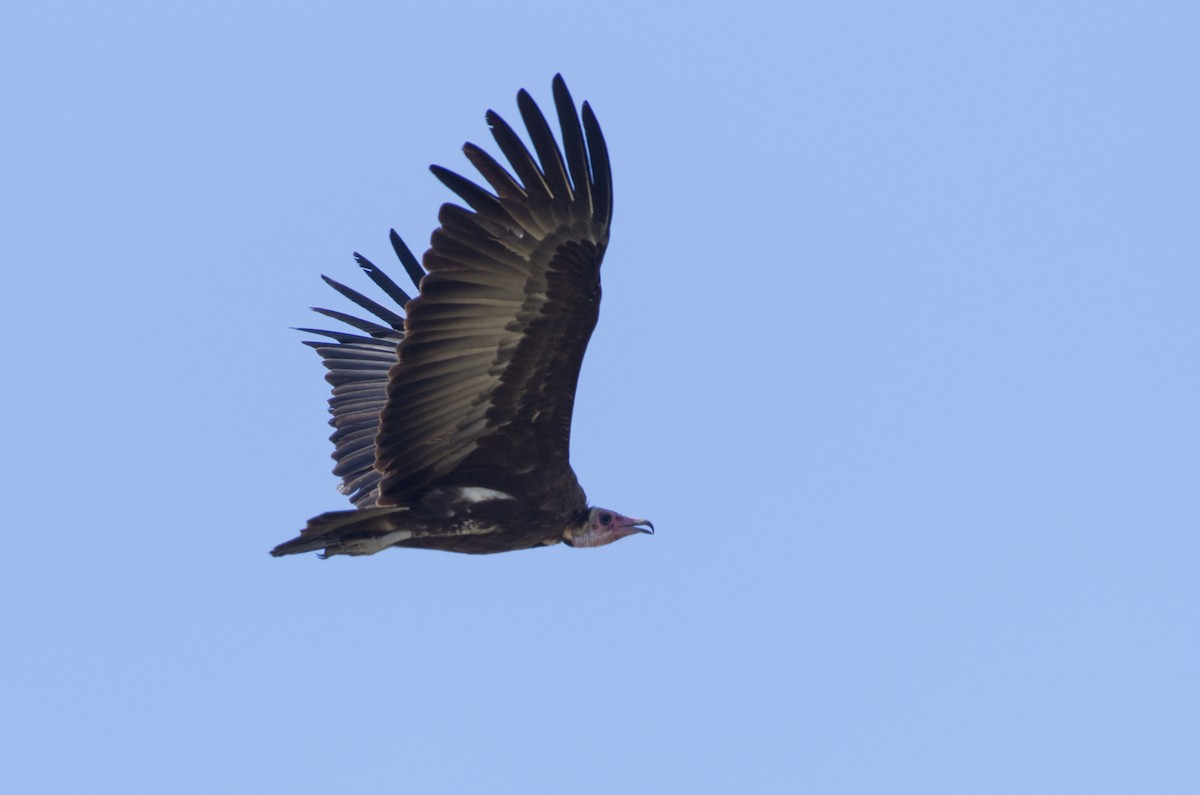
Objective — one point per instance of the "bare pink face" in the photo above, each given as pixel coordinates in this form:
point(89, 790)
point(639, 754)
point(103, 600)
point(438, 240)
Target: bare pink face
point(604, 527)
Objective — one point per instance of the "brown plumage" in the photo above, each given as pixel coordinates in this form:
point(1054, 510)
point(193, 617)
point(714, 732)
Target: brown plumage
point(453, 420)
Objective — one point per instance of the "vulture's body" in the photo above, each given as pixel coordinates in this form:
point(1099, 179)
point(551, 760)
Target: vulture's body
point(453, 411)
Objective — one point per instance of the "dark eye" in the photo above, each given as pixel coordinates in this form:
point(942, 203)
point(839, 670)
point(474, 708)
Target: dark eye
point(606, 519)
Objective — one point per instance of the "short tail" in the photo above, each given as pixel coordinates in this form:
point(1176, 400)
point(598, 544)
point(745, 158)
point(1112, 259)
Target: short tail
point(359, 532)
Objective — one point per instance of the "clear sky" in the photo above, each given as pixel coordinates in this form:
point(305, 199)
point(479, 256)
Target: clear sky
point(898, 350)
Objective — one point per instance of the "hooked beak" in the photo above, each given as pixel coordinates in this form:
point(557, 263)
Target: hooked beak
point(636, 524)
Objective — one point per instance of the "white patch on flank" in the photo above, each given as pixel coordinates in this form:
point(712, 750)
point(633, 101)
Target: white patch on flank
point(473, 528)
point(480, 494)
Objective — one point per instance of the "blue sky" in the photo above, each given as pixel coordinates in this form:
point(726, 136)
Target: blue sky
point(898, 351)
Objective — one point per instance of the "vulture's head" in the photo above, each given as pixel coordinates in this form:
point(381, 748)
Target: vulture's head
point(601, 526)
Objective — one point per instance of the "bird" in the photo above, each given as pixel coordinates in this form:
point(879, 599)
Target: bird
point(452, 411)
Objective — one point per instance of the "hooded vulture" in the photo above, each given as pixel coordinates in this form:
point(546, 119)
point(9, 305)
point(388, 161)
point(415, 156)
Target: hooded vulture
point(452, 409)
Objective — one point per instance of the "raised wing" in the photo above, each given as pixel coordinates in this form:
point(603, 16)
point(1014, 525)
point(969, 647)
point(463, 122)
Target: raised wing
point(484, 387)
point(358, 366)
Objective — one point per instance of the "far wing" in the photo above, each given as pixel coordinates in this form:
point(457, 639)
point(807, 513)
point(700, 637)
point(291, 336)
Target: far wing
point(358, 366)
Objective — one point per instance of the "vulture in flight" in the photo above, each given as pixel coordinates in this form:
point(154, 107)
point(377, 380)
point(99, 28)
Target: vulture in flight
point(452, 410)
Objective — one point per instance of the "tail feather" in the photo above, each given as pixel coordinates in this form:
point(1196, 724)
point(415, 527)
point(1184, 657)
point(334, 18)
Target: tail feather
point(358, 532)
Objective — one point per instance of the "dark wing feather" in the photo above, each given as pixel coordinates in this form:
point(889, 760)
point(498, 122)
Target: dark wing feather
point(358, 368)
point(484, 387)
point(408, 260)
